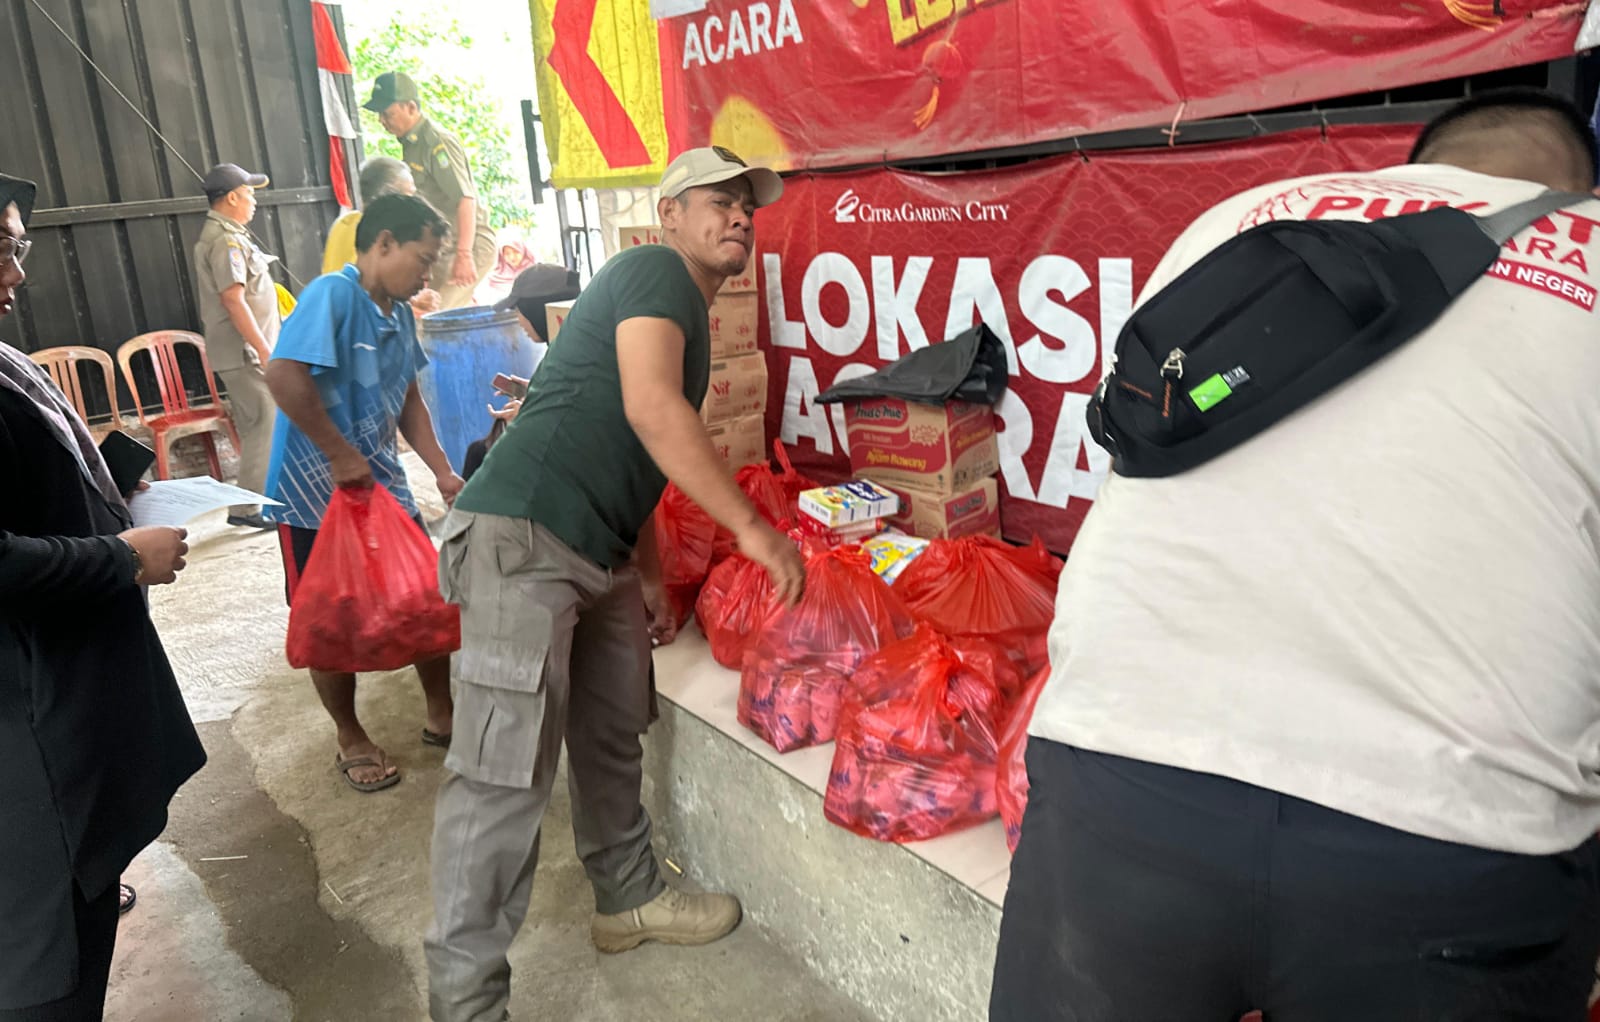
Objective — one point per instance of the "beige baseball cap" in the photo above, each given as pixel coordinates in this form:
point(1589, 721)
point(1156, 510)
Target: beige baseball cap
point(712, 165)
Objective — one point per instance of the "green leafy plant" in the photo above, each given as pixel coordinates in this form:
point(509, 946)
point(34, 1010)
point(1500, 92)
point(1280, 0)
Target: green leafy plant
point(430, 51)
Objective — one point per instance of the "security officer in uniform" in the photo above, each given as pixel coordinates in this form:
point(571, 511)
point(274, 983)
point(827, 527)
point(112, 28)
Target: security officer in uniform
point(239, 309)
point(439, 166)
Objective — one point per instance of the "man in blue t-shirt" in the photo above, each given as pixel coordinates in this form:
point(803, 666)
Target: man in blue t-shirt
point(344, 376)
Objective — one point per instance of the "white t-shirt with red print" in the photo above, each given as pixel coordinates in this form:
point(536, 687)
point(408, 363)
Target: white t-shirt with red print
point(1389, 602)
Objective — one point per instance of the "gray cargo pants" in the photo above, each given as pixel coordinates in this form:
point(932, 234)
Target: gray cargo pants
point(552, 646)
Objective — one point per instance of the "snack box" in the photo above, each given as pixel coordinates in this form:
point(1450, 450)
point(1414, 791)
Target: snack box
point(891, 552)
point(848, 503)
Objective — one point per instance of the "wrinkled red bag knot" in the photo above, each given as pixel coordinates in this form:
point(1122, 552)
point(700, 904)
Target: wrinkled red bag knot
point(800, 660)
point(368, 599)
point(981, 586)
point(918, 738)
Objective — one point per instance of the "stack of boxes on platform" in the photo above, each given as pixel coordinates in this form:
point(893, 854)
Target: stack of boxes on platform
point(736, 401)
point(939, 460)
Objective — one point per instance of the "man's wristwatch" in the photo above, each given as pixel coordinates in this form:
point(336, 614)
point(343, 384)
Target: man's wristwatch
point(138, 562)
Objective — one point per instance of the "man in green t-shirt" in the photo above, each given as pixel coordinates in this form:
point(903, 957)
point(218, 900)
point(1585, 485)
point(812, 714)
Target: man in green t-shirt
point(550, 553)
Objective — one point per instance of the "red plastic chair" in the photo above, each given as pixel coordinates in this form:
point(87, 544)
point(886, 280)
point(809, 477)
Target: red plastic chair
point(178, 418)
point(62, 365)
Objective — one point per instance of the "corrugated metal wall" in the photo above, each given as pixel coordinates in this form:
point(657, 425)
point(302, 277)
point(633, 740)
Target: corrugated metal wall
point(118, 212)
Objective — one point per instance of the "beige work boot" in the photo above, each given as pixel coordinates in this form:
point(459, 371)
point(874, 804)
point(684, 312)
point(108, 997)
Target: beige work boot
point(674, 917)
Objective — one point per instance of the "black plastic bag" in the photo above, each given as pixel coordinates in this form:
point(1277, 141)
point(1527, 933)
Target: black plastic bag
point(969, 367)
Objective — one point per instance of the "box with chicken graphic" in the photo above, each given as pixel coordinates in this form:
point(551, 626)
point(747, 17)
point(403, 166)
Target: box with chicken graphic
point(937, 449)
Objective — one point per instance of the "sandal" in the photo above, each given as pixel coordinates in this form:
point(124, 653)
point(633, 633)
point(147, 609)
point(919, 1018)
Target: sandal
point(344, 766)
point(431, 737)
point(126, 897)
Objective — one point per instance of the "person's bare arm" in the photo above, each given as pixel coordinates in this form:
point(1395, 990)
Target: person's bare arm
point(647, 558)
point(296, 395)
point(416, 425)
point(465, 272)
point(239, 315)
point(650, 363)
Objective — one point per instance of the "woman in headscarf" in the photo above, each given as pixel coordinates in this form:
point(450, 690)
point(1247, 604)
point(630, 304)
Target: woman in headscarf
point(94, 734)
point(514, 257)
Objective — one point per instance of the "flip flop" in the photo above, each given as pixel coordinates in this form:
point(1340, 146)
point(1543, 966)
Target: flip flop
point(344, 766)
point(430, 737)
point(126, 898)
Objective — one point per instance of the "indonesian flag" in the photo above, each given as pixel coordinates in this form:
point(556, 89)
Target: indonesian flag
point(331, 63)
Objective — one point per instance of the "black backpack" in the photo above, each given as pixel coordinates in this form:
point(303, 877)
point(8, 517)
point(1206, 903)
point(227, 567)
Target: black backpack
point(1272, 319)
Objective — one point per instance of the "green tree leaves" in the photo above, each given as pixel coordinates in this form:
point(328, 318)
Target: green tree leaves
point(426, 50)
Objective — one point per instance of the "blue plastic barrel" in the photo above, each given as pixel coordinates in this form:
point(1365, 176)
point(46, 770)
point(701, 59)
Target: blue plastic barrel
point(465, 348)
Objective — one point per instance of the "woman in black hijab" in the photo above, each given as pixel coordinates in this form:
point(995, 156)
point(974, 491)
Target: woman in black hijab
point(94, 735)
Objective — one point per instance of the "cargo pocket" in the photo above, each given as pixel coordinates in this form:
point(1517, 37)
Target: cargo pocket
point(499, 713)
point(453, 580)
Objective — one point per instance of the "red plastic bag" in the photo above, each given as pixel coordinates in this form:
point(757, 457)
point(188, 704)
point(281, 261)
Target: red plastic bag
point(918, 740)
point(684, 537)
point(982, 586)
point(759, 484)
point(1011, 783)
point(790, 482)
point(801, 659)
point(369, 597)
point(736, 598)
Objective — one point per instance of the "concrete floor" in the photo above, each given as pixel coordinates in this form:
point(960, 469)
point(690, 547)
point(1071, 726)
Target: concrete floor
point(279, 893)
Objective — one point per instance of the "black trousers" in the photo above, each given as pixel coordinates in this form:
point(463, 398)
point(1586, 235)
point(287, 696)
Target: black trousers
point(1143, 893)
point(97, 936)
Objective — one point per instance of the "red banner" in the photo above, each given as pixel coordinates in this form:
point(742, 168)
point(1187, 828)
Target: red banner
point(793, 84)
point(859, 269)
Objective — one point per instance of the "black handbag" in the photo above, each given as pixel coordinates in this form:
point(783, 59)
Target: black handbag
point(1274, 318)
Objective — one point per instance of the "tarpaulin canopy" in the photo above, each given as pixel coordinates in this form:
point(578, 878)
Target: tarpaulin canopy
point(793, 84)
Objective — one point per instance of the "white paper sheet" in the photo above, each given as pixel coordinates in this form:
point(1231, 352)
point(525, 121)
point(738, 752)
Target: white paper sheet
point(176, 501)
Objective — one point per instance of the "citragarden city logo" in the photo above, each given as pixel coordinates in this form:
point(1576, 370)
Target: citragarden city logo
point(849, 208)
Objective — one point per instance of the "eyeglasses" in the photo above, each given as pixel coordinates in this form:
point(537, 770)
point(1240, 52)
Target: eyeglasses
point(14, 248)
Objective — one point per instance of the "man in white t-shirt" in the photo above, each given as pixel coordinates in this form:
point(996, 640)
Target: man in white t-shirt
point(1322, 735)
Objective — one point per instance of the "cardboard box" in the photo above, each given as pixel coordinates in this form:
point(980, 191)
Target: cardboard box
point(650, 234)
point(555, 314)
point(733, 325)
point(848, 503)
point(741, 441)
point(645, 234)
point(945, 450)
point(738, 387)
point(973, 512)
point(853, 533)
point(745, 282)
